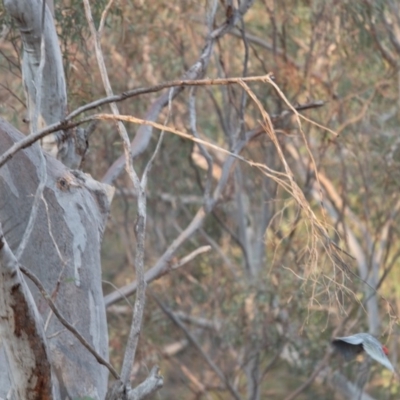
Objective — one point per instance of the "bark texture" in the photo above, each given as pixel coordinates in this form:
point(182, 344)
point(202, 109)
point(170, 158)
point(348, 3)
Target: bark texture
point(68, 146)
point(63, 251)
point(22, 331)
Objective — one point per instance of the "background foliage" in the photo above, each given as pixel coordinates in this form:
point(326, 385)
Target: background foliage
point(278, 318)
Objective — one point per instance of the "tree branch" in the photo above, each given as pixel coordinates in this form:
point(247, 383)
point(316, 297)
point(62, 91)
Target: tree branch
point(67, 325)
point(162, 264)
point(138, 309)
point(195, 343)
point(197, 70)
point(153, 382)
point(67, 123)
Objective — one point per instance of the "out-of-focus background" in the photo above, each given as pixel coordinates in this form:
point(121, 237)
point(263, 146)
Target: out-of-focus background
point(285, 271)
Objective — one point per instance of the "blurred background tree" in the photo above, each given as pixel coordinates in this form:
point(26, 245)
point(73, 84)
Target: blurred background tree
point(252, 317)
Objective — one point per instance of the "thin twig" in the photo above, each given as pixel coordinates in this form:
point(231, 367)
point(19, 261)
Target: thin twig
point(190, 257)
point(70, 327)
point(193, 226)
point(159, 142)
point(67, 123)
point(130, 306)
point(196, 344)
point(311, 378)
point(157, 88)
point(119, 294)
point(104, 17)
point(197, 70)
point(5, 87)
point(322, 364)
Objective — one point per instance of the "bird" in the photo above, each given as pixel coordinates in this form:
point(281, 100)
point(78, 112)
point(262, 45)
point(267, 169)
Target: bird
point(351, 346)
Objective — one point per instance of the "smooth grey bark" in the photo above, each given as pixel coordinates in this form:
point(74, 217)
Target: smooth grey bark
point(63, 251)
point(27, 15)
point(69, 147)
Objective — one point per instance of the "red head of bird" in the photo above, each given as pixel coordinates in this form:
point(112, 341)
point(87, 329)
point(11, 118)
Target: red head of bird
point(350, 346)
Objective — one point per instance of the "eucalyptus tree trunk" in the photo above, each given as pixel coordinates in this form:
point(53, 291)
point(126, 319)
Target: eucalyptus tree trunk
point(63, 251)
point(52, 220)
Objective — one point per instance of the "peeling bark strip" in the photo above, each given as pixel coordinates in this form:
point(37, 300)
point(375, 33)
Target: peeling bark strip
point(22, 333)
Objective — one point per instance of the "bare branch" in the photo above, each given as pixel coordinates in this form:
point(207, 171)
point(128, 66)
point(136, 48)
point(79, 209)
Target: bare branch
point(193, 226)
point(197, 70)
point(317, 370)
point(196, 344)
point(150, 276)
point(153, 382)
point(104, 17)
point(198, 321)
point(138, 310)
point(67, 325)
point(157, 88)
point(67, 123)
point(159, 142)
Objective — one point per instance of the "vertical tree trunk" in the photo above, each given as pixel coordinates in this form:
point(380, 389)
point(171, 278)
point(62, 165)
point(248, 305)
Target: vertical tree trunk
point(63, 251)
